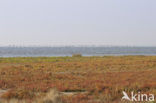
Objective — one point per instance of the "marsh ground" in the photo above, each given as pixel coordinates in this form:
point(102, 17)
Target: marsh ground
point(87, 79)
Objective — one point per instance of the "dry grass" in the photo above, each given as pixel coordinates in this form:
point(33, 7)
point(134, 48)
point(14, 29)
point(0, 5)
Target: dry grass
point(52, 96)
point(101, 78)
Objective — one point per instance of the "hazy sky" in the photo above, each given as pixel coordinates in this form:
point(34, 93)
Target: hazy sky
point(78, 22)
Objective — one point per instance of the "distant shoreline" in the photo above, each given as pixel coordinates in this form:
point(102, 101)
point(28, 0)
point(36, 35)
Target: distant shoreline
point(53, 46)
point(82, 56)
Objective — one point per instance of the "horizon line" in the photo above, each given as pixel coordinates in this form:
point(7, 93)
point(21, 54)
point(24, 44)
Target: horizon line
point(74, 46)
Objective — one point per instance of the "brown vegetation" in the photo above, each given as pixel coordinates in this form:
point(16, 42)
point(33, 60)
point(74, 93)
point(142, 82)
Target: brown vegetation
point(90, 79)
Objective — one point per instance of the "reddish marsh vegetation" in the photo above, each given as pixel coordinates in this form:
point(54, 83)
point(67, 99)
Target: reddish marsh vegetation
point(78, 79)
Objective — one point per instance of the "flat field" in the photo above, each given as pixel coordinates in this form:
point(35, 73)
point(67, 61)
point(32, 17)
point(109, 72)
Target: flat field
point(77, 79)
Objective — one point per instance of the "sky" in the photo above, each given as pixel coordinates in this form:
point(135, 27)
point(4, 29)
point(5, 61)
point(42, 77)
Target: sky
point(78, 22)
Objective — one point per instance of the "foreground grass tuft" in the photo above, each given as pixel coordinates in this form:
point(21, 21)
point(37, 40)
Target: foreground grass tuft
point(52, 96)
